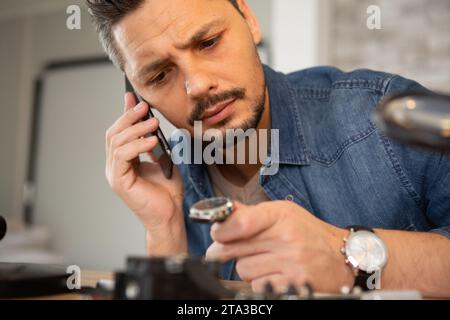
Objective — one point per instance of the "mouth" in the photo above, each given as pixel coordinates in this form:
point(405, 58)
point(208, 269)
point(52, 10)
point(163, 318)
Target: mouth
point(218, 113)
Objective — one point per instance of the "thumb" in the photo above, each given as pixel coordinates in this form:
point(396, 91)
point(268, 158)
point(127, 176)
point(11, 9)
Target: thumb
point(237, 205)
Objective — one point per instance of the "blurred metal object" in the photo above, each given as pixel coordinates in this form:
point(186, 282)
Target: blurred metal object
point(174, 278)
point(391, 295)
point(3, 227)
point(421, 119)
point(26, 280)
point(188, 278)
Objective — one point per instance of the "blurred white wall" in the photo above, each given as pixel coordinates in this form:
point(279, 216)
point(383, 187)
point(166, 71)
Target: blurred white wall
point(36, 34)
point(299, 33)
point(32, 35)
point(9, 101)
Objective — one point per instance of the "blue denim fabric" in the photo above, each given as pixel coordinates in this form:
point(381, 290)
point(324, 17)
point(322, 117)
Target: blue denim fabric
point(336, 163)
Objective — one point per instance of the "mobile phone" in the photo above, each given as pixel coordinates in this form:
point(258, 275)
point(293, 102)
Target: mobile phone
point(162, 152)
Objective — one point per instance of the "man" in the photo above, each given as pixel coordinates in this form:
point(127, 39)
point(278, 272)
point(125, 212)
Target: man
point(197, 60)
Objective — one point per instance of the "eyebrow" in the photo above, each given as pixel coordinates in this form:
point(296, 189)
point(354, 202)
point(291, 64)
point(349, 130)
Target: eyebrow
point(194, 39)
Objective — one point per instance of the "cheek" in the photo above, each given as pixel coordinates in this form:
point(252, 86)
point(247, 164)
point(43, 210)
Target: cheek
point(247, 66)
point(175, 109)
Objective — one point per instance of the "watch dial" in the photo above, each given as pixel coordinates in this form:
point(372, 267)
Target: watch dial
point(211, 203)
point(366, 251)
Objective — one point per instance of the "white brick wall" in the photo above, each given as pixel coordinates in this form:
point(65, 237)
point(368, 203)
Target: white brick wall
point(414, 40)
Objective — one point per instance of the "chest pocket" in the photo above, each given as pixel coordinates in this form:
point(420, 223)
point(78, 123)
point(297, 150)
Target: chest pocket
point(362, 187)
point(335, 123)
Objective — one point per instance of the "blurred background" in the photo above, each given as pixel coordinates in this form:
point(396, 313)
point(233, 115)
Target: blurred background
point(58, 95)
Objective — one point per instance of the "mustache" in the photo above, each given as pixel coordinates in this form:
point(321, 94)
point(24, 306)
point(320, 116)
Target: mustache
point(209, 101)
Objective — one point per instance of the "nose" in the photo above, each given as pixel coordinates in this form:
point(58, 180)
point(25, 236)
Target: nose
point(199, 82)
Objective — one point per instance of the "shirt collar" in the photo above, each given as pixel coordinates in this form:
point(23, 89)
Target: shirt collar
point(285, 116)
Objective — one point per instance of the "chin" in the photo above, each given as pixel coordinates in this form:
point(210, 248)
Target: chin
point(233, 124)
point(244, 120)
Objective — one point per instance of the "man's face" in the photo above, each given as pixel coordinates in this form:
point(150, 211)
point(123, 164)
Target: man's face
point(190, 59)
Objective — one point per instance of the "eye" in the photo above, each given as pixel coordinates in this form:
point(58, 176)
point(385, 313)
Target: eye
point(209, 43)
point(159, 78)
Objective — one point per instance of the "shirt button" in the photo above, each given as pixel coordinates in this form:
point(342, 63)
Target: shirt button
point(289, 197)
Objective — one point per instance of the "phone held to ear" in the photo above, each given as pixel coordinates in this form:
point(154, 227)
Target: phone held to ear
point(161, 152)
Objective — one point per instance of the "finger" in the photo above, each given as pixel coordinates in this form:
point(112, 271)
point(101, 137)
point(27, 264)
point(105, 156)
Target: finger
point(130, 117)
point(224, 252)
point(129, 101)
point(278, 282)
point(257, 266)
point(237, 207)
point(124, 155)
point(244, 223)
point(135, 132)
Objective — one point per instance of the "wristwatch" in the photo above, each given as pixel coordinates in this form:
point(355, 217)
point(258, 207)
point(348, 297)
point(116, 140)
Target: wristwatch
point(366, 254)
point(211, 210)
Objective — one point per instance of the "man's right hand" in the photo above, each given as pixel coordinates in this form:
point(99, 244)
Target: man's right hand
point(155, 200)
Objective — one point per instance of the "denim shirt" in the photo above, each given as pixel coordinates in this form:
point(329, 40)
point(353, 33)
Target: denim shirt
point(334, 162)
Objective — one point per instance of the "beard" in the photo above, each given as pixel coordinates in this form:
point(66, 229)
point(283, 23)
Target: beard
point(222, 128)
point(257, 109)
point(256, 114)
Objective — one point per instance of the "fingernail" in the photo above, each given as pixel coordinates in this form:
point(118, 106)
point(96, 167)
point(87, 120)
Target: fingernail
point(152, 139)
point(152, 121)
point(139, 106)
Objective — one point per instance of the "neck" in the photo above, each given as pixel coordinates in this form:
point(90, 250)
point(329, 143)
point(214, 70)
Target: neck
point(240, 174)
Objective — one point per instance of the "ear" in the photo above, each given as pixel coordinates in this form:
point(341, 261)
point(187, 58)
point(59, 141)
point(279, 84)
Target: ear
point(251, 20)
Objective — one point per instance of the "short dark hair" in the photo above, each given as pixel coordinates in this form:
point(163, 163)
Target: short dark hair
point(107, 13)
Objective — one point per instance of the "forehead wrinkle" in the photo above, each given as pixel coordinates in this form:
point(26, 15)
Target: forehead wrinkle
point(135, 47)
point(153, 37)
point(142, 72)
